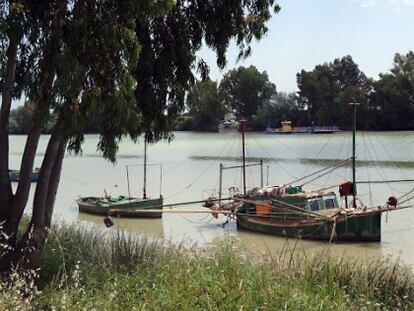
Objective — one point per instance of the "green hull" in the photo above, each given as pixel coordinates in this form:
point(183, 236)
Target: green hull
point(134, 208)
point(357, 228)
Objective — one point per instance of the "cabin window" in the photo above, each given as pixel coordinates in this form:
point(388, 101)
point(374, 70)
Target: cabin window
point(329, 203)
point(314, 206)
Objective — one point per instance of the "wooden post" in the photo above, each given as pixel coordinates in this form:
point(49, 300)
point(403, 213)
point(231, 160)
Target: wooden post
point(220, 183)
point(144, 196)
point(160, 179)
point(129, 191)
point(261, 173)
point(267, 175)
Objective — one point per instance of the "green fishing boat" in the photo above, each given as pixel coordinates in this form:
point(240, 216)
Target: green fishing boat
point(289, 211)
point(121, 206)
point(125, 206)
point(308, 215)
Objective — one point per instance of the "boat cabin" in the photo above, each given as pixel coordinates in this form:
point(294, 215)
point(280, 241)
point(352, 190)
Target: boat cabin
point(286, 126)
point(323, 202)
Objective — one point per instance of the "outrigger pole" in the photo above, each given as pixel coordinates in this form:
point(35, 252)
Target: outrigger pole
point(222, 168)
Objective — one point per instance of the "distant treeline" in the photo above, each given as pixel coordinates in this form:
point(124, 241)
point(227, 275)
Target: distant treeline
point(323, 99)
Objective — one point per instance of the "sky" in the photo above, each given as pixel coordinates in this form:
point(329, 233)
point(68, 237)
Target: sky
point(306, 33)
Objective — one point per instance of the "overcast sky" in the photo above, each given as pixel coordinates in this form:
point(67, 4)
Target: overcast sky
point(310, 32)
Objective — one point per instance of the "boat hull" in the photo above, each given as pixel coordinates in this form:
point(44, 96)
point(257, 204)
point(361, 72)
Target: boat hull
point(134, 208)
point(362, 228)
point(15, 176)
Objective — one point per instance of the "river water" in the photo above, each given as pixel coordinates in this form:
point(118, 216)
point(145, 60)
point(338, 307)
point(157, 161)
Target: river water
point(190, 165)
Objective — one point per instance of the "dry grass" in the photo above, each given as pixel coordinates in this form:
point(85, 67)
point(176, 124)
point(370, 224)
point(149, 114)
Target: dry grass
point(86, 269)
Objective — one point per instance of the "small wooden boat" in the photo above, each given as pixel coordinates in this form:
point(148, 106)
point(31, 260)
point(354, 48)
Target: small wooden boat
point(121, 206)
point(15, 175)
point(125, 206)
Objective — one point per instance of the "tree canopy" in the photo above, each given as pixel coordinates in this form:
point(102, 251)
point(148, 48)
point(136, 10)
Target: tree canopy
point(123, 64)
point(392, 102)
point(244, 90)
point(205, 108)
point(327, 91)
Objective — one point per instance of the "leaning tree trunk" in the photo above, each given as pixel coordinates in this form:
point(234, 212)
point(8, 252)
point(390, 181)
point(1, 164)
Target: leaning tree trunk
point(31, 246)
point(6, 194)
point(13, 212)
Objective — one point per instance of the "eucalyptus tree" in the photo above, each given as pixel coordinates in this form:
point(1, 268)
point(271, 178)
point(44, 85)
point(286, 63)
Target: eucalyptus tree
point(244, 90)
point(204, 106)
point(392, 101)
point(127, 62)
point(327, 90)
point(72, 59)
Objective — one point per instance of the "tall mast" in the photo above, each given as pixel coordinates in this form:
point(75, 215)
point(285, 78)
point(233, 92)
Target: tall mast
point(145, 169)
point(354, 187)
point(242, 128)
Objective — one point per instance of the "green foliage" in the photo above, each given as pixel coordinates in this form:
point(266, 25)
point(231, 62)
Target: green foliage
point(392, 103)
point(123, 66)
point(167, 62)
point(204, 106)
point(244, 90)
point(327, 91)
point(279, 108)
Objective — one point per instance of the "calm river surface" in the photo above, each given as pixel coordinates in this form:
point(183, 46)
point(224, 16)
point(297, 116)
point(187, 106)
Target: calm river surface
point(191, 172)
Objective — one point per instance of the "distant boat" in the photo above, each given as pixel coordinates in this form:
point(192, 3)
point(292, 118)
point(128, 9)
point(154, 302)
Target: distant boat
point(15, 175)
point(288, 129)
point(228, 125)
point(124, 206)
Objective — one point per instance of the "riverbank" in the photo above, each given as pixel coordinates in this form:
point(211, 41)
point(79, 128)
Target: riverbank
point(86, 268)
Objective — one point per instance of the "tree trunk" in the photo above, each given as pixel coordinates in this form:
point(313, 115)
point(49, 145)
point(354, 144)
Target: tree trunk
point(13, 212)
point(39, 118)
point(30, 247)
point(6, 193)
point(42, 187)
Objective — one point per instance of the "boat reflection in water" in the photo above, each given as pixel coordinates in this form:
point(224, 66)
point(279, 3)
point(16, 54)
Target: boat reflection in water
point(149, 227)
point(258, 243)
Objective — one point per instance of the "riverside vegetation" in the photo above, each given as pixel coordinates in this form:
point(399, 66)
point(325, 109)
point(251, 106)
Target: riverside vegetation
point(83, 268)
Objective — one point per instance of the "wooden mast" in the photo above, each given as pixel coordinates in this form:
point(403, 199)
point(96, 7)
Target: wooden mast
point(354, 187)
point(242, 129)
point(145, 169)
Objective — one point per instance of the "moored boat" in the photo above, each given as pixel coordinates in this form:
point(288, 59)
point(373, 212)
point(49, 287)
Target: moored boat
point(308, 215)
point(121, 206)
point(125, 206)
point(15, 175)
point(288, 129)
point(288, 211)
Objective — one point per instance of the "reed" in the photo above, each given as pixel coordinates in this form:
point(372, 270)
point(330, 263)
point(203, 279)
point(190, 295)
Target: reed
point(85, 268)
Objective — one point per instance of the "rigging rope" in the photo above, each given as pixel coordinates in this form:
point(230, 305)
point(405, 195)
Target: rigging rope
point(336, 165)
point(264, 150)
point(203, 173)
point(319, 176)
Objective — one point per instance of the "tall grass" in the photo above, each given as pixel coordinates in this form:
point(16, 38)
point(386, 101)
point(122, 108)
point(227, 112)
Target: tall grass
point(86, 269)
